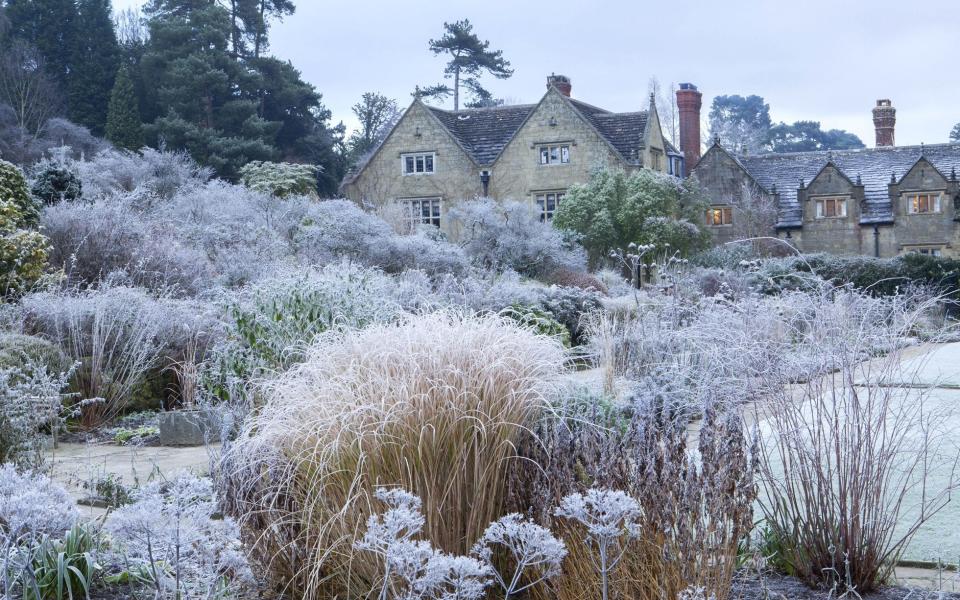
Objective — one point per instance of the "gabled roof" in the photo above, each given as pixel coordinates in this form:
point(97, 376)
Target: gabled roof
point(624, 131)
point(484, 132)
point(874, 167)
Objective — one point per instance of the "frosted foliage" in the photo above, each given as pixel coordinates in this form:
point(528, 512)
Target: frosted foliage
point(30, 397)
point(171, 532)
point(510, 235)
point(155, 172)
point(533, 550)
point(413, 569)
point(31, 504)
point(608, 516)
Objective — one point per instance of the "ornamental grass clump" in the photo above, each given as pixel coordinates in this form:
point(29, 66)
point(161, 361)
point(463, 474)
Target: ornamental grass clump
point(434, 404)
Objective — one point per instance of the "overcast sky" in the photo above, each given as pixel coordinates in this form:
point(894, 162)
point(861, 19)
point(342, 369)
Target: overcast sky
point(824, 60)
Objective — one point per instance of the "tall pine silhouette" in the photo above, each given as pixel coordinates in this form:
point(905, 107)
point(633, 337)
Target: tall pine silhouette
point(124, 128)
point(94, 64)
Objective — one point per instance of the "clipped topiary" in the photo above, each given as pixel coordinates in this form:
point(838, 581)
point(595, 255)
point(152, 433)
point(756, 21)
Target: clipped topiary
point(56, 184)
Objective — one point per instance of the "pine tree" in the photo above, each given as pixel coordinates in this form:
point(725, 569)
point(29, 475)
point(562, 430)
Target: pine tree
point(124, 128)
point(469, 58)
point(94, 63)
point(50, 26)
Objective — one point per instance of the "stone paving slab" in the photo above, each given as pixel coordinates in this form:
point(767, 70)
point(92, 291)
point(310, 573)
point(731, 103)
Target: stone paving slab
point(74, 464)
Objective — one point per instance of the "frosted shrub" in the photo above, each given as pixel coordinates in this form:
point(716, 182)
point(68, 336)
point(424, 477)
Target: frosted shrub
point(280, 179)
point(511, 236)
point(273, 322)
point(608, 516)
point(156, 172)
point(451, 393)
point(170, 535)
point(332, 230)
point(535, 554)
point(118, 335)
point(32, 505)
point(30, 399)
point(696, 504)
point(93, 241)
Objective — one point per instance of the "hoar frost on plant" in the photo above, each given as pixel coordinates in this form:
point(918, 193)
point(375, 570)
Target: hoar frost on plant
point(534, 551)
point(413, 569)
point(608, 516)
point(30, 397)
point(170, 534)
point(32, 505)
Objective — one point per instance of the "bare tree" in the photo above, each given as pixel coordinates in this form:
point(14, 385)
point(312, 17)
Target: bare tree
point(130, 27)
point(26, 88)
point(756, 216)
point(666, 100)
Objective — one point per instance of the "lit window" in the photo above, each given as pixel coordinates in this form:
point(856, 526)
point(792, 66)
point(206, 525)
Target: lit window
point(720, 216)
point(547, 203)
point(918, 204)
point(554, 155)
point(422, 211)
point(418, 164)
point(831, 208)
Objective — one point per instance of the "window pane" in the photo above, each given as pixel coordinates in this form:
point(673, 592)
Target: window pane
point(409, 164)
point(565, 154)
point(419, 164)
point(544, 156)
point(727, 216)
point(554, 154)
point(429, 163)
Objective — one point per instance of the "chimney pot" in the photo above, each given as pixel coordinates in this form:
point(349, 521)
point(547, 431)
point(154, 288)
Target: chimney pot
point(689, 101)
point(884, 121)
point(561, 82)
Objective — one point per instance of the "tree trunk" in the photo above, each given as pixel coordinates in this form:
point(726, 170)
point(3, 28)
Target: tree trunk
point(456, 89)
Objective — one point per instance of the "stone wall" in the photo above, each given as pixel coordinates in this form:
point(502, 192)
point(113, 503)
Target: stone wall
point(518, 174)
point(455, 175)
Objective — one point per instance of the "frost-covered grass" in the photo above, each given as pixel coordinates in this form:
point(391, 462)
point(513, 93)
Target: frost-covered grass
point(435, 404)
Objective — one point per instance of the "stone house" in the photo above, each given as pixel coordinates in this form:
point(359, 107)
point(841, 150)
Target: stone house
point(434, 158)
point(880, 201)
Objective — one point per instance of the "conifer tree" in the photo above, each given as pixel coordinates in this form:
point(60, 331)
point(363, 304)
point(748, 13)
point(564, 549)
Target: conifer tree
point(93, 65)
point(50, 26)
point(124, 128)
point(469, 58)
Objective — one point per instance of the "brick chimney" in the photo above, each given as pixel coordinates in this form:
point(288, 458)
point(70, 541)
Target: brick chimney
point(689, 101)
point(884, 120)
point(561, 82)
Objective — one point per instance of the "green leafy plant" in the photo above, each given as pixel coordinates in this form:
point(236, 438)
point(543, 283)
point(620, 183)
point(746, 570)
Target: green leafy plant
point(123, 436)
point(59, 569)
point(538, 320)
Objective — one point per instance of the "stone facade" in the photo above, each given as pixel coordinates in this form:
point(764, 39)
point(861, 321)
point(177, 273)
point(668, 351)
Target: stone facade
point(894, 199)
point(497, 152)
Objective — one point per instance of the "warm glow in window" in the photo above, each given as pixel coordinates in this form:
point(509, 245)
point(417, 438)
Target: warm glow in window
point(918, 204)
point(720, 216)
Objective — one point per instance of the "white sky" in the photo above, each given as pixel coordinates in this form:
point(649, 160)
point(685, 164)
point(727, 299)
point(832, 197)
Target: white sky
point(822, 60)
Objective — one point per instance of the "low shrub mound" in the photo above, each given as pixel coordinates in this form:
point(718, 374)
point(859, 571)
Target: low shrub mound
point(435, 404)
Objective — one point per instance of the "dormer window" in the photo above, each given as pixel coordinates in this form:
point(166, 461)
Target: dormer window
point(421, 163)
point(720, 216)
point(923, 203)
point(831, 208)
point(555, 155)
